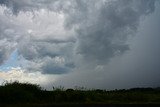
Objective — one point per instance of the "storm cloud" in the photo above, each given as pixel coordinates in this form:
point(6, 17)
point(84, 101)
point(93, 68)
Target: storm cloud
point(105, 27)
point(77, 38)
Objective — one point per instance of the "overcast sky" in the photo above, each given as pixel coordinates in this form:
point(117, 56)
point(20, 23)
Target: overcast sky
point(104, 44)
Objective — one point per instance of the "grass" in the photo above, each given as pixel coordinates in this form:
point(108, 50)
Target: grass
point(31, 94)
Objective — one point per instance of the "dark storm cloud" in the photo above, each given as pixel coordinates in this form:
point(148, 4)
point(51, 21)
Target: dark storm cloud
point(139, 67)
point(51, 67)
point(104, 27)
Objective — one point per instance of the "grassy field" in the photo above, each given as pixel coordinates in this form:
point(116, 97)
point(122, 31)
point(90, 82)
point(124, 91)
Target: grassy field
point(26, 94)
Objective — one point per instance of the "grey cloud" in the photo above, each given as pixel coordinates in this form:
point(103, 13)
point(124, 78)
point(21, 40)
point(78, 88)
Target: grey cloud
point(40, 49)
point(6, 49)
point(34, 51)
point(138, 67)
point(103, 31)
point(22, 5)
point(15, 5)
point(7, 40)
point(45, 52)
point(51, 67)
point(55, 41)
point(31, 5)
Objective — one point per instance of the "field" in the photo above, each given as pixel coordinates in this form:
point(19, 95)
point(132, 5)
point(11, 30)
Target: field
point(27, 94)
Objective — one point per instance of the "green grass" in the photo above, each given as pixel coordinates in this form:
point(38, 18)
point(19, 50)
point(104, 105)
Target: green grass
point(26, 93)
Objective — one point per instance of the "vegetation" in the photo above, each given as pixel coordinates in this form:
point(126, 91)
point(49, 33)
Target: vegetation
point(25, 93)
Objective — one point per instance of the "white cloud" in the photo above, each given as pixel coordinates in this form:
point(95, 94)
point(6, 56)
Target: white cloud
point(18, 74)
point(36, 36)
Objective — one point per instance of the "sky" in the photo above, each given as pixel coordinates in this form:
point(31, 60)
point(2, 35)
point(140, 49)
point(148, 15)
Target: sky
point(106, 44)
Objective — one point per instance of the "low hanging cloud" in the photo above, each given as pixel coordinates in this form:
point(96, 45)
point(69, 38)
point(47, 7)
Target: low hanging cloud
point(53, 36)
